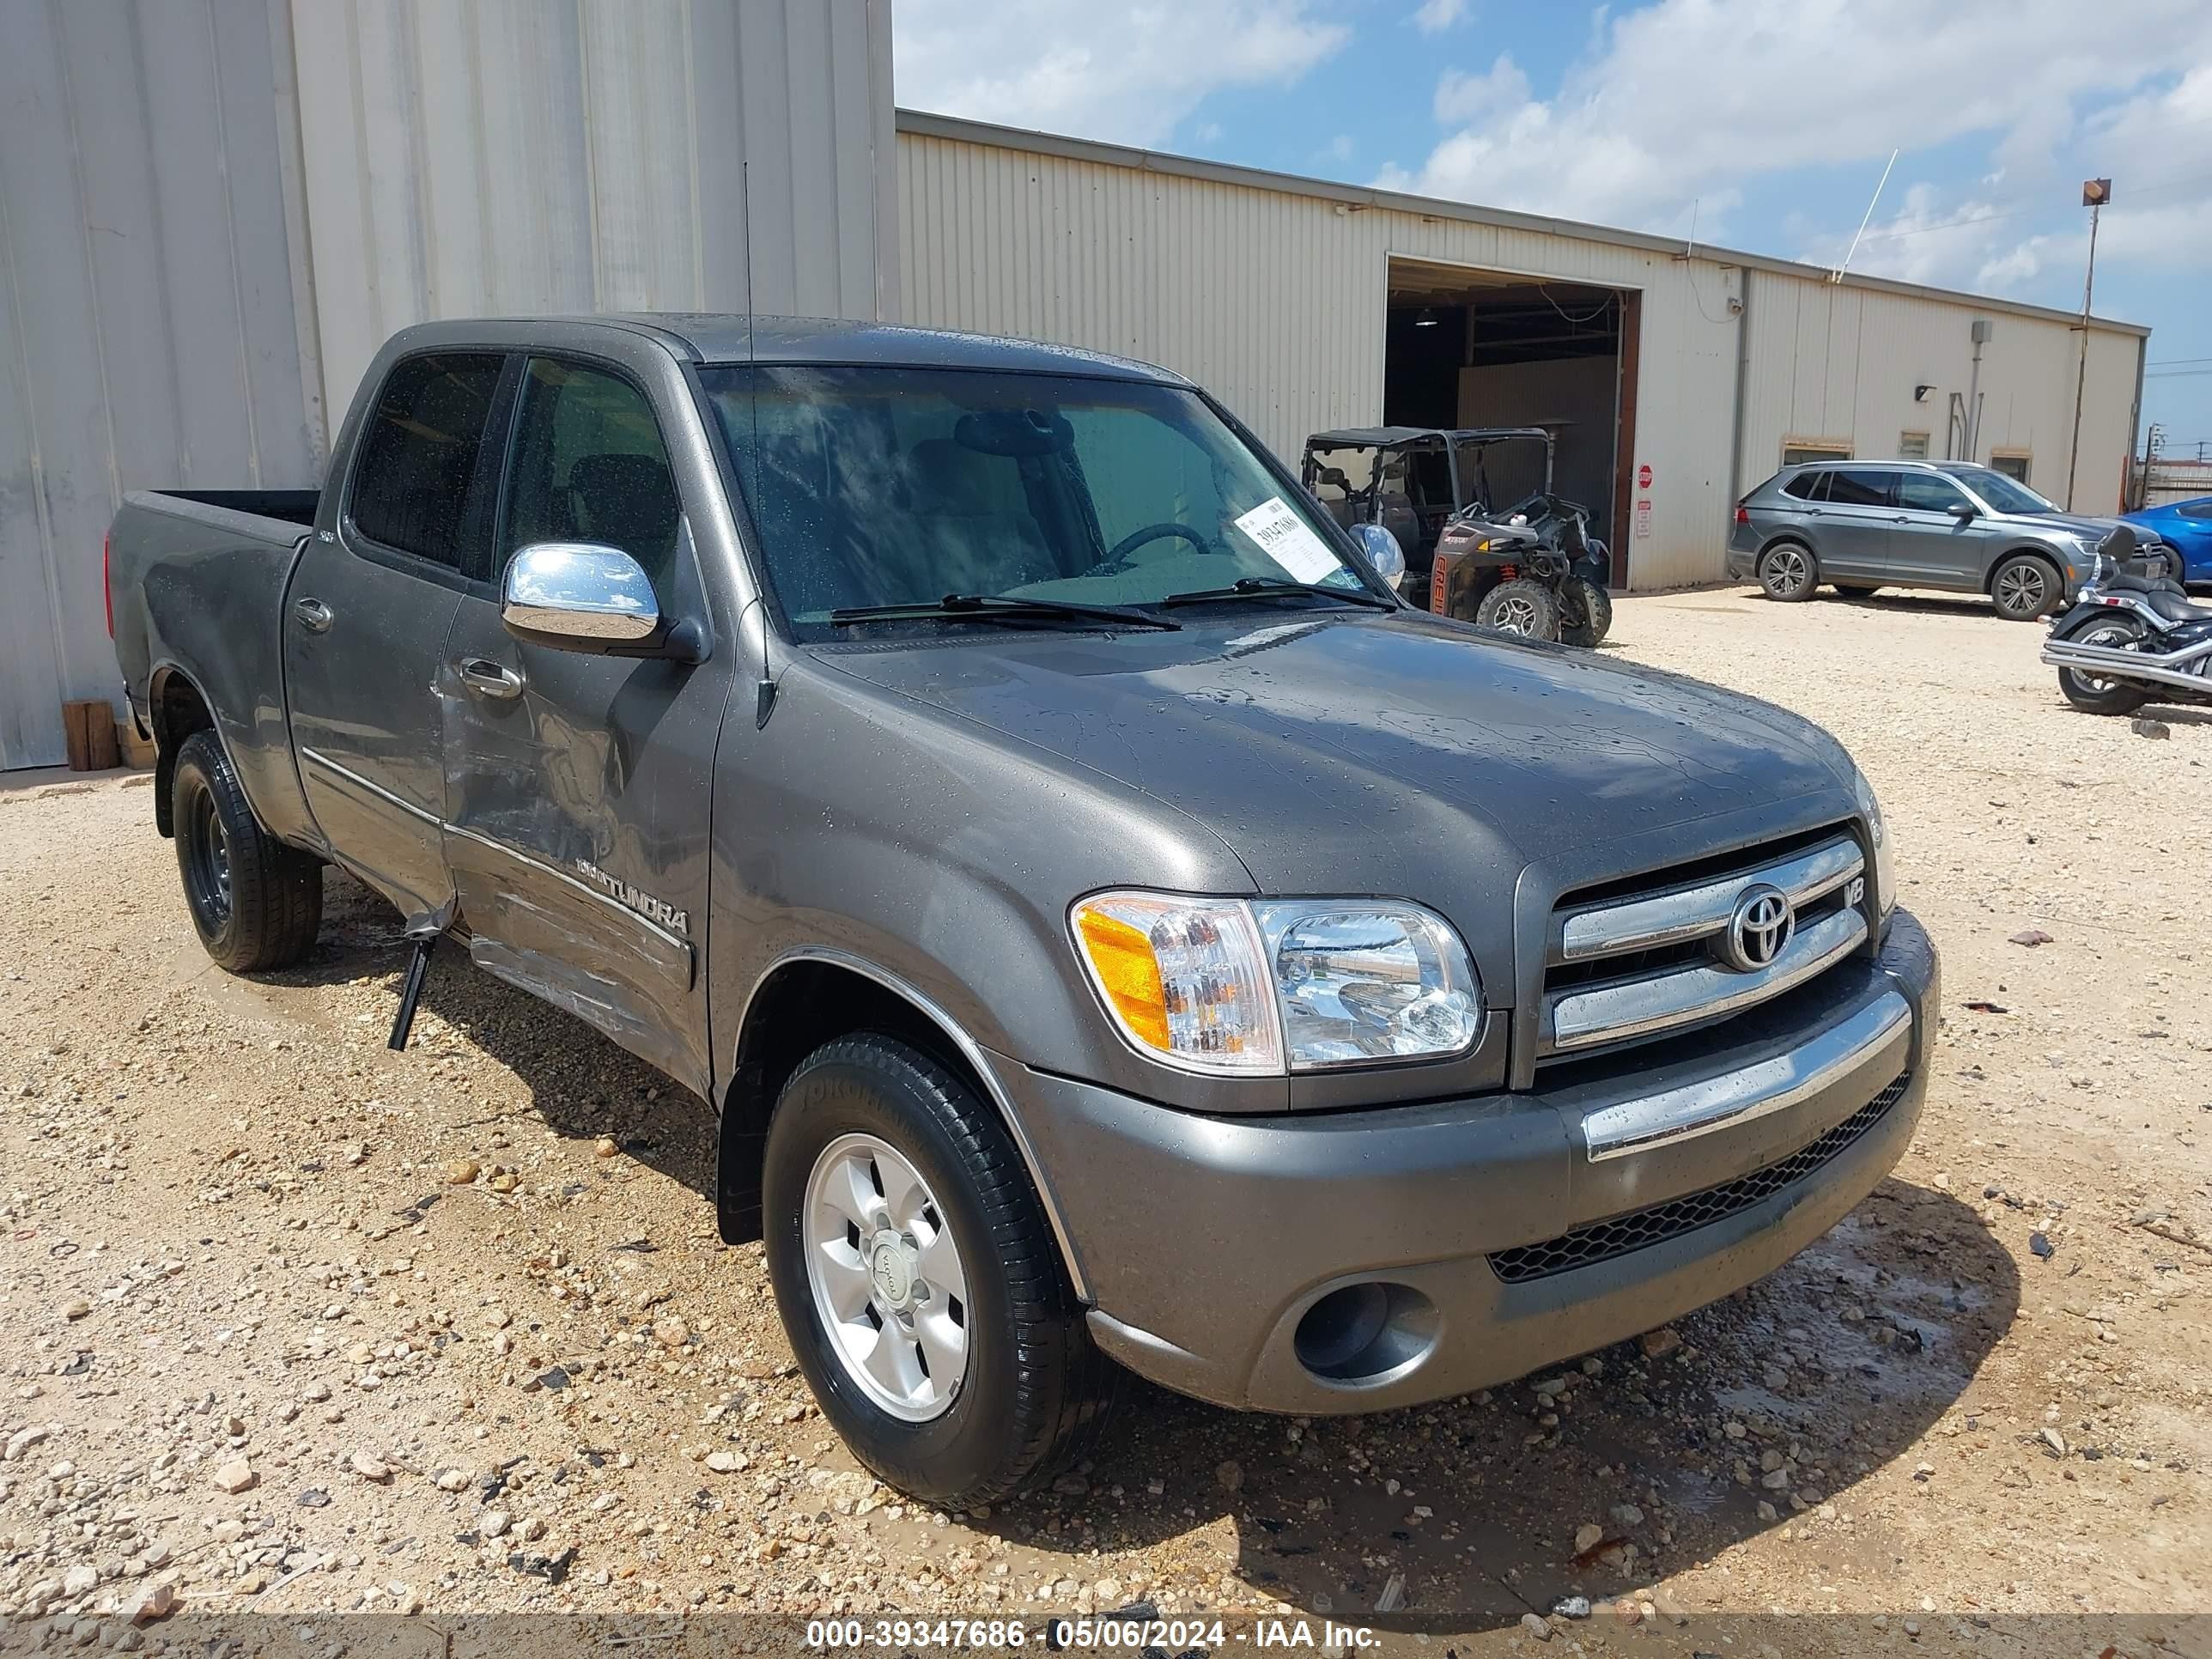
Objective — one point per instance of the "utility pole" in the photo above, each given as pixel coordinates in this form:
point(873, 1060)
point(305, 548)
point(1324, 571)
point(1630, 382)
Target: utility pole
point(2095, 192)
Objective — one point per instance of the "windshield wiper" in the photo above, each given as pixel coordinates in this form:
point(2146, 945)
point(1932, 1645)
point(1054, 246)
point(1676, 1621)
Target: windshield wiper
point(990, 607)
point(1259, 588)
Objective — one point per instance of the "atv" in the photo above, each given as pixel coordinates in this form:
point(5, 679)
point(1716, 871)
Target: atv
point(1530, 570)
point(1533, 569)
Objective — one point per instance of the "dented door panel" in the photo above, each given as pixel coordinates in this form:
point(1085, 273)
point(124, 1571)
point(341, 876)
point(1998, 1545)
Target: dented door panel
point(576, 831)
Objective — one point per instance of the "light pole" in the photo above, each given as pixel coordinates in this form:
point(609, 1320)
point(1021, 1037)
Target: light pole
point(2095, 192)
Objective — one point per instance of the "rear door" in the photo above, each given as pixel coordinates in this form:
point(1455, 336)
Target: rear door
point(367, 614)
point(578, 786)
point(1851, 528)
point(1931, 545)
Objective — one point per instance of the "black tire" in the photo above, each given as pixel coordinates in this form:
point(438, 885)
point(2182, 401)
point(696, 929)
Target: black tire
point(256, 902)
point(2026, 586)
point(1523, 606)
point(2086, 691)
point(1788, 572)
point(1855, 589)
point(1037, 1393)
point(1585, 611)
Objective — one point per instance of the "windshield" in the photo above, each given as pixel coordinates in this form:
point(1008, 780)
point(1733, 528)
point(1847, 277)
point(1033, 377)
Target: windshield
point(875, 486)
point(2007, 494)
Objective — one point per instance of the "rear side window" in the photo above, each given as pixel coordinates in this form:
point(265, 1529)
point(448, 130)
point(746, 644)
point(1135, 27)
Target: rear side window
point(418, 484)
point(2196, 509)
point(1807, 487)
point(590, 466)
point(1859, 489)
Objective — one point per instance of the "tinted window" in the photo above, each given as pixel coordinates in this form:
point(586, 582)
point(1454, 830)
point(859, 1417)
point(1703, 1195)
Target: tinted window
point(1923, 492)
point(2196, 509)
point(416, 485)
point(1807, 487)
point(1860, 488)
point(589, 465)
point(2000, 490)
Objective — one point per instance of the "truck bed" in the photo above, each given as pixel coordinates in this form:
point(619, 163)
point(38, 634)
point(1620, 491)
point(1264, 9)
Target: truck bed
point(196, 583)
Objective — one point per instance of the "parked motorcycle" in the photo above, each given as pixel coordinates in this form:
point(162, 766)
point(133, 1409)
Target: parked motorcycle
point(2134, 636)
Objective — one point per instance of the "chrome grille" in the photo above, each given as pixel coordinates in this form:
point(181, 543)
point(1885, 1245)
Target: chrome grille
point(1602, 1241)
point(1642, 962)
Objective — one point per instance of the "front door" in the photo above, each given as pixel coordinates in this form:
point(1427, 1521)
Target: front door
point(577, 786)
point(1931, 545)
point(367, 612)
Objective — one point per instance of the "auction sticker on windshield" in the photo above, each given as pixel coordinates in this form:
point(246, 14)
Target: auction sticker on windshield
point(1284, 538)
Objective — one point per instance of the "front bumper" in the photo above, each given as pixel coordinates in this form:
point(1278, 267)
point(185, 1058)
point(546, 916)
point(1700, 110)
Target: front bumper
point(1205, 1241)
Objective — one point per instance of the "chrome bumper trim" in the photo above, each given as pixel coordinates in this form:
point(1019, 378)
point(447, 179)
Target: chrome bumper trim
point(1638, 1008)
point(1770, 1085)
point(1695, 912)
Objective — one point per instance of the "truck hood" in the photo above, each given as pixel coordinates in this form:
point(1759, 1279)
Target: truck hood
point(1336, 751)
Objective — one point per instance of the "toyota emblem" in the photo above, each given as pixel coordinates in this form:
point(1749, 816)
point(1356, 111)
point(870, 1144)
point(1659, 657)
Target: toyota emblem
point(1758, 929)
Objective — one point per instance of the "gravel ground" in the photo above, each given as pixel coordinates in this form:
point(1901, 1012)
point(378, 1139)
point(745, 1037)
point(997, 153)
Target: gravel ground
point(296, 1326)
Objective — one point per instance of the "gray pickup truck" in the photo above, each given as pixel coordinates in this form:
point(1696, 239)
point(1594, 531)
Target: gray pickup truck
point(1113, 931)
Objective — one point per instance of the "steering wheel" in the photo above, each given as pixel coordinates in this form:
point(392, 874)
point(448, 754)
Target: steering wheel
point(1117, 556)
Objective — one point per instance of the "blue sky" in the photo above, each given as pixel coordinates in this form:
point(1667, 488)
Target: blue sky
point(1771, 123)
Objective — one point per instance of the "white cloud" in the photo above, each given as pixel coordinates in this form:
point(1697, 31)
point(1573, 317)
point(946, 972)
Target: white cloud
point(1686, 99)
point(1124, 72)
point(1435, 16)
point(2161, 210)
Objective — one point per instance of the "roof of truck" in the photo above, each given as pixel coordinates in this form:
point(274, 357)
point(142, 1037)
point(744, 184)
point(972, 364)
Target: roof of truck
point(1392, 437)
point(732, 338)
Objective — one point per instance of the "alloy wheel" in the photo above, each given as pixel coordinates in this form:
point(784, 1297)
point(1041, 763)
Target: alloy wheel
point(2023, 590)
point(1787, 571)
point(886, 1276)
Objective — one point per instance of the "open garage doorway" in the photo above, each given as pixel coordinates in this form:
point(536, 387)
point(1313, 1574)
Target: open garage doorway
point(1468, 348)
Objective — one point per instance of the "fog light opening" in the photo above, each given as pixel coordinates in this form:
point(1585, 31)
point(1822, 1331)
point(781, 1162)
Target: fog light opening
point(1365, 1332)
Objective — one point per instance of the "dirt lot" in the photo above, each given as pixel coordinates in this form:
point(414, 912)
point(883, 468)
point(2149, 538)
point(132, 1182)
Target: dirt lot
point(294, 1325)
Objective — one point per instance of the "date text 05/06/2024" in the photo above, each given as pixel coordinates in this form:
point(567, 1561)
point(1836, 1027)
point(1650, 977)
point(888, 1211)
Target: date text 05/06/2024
point(1127, 1635)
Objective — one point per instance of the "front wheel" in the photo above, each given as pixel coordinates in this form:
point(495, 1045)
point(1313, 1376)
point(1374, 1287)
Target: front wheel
point(1523, 606)
point(256, 902)
point(2024, 587)
point(1585, 611)
point(2093, 693)
point(918, 1279)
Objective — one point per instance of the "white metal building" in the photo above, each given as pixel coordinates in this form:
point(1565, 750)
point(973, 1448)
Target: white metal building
point(212, 211)
point(1677, 378)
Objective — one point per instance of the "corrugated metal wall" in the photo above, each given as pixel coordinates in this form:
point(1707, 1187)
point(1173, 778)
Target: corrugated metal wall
point(146, 333)
point(515, 156)
point(213, 211)
point(1842, 364)
point(1273, 298)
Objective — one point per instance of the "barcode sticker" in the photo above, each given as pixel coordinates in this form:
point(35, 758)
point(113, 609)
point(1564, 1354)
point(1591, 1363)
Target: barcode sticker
point(1284, 538)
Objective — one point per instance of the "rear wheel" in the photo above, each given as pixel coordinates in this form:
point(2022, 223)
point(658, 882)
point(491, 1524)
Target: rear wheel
point(1585, 611)
point(256, 902)
point(919, 1281)
point(2093, 693)
point(2025, 586)
point(1787, 572)
point(1523, 606)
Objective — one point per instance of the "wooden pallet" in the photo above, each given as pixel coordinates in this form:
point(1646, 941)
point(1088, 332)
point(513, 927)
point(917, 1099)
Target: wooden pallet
point(89, 734)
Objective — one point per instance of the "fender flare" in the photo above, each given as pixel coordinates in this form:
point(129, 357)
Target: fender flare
point(976, 1056)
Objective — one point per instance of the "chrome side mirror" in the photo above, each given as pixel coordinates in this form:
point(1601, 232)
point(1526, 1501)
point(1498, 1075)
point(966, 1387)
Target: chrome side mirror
point(1382, 551)
point(580, 596)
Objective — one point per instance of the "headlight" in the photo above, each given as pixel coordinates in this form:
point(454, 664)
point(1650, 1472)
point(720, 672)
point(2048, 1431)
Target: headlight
point(1884, 867)
point(1256, 989)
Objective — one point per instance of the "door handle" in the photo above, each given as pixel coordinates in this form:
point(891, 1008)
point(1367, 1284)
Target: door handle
point(314, 616)
point(487, 678)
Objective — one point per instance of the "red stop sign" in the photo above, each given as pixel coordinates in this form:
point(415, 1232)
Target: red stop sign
point(1643, 475)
